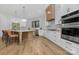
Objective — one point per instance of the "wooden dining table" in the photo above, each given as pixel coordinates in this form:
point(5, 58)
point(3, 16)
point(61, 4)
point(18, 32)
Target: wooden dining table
point(29, 33)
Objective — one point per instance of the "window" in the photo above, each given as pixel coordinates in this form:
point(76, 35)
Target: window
point(35, 24)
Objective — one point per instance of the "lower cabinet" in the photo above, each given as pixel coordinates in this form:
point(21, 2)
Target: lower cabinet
point(70, 46)
point(41, 32)
point(55, 37)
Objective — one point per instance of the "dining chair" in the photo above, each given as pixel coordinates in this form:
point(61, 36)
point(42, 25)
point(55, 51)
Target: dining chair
point(13, 36)
point(5, 38)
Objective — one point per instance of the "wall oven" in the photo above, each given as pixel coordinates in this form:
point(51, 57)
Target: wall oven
point(70, 27)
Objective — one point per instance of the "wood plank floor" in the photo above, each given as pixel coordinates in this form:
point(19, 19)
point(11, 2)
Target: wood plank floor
point(35, 46)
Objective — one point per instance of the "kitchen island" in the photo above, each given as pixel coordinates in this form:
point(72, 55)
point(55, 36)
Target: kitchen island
point(29, 34)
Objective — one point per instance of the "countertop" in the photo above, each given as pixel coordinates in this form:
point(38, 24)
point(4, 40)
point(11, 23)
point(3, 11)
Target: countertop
point(22, 30)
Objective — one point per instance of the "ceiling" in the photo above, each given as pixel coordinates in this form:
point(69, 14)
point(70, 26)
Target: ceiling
point(17, 10)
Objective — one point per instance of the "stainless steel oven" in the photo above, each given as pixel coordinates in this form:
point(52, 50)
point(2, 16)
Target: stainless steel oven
point(70, 27)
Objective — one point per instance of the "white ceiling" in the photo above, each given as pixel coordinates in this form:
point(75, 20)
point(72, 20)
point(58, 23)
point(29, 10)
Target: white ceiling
point(31, 10)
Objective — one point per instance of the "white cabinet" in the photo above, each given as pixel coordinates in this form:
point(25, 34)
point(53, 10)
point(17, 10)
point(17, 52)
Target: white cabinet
point(67, 8)
point(64, 9)
point(58, 14)
point(41, 32)
point(73, 7)
point(51, 35)
point(70, 46)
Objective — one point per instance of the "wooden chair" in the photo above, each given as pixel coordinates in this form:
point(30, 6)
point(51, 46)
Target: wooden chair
point(13, 36)
point(5, 38)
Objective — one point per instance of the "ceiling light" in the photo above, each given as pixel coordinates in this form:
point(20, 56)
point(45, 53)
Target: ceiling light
point(24, 20)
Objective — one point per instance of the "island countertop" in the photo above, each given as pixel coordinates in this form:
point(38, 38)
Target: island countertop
point(20, 33)
point(21, 30)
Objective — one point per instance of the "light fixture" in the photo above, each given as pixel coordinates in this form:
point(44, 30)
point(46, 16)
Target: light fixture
point(49, 12)
point(24, 20)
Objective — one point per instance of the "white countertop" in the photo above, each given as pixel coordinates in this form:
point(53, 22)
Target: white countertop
point(22, 30)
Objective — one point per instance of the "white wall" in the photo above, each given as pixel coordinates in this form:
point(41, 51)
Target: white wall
point(4, 22)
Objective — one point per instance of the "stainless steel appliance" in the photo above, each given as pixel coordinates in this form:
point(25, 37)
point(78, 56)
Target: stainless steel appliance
point(70, 26)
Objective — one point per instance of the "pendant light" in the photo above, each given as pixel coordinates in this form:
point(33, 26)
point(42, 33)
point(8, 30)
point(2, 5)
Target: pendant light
point(49, 12)
point(23, 18)
point(15, 17)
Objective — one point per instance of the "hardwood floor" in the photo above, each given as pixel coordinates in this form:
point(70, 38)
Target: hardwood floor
point(35, 46)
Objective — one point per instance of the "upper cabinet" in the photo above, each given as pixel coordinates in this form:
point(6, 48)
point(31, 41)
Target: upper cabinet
point(50, 12)
point(58, 13)
point(73, 7)
point(67, 8)
point(62, 9)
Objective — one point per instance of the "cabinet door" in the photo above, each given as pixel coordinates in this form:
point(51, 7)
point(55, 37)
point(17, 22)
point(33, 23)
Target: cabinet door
point(67, 8)
point(41, 32)
point(64, 9)
point(57, 14)
point(74, 7)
